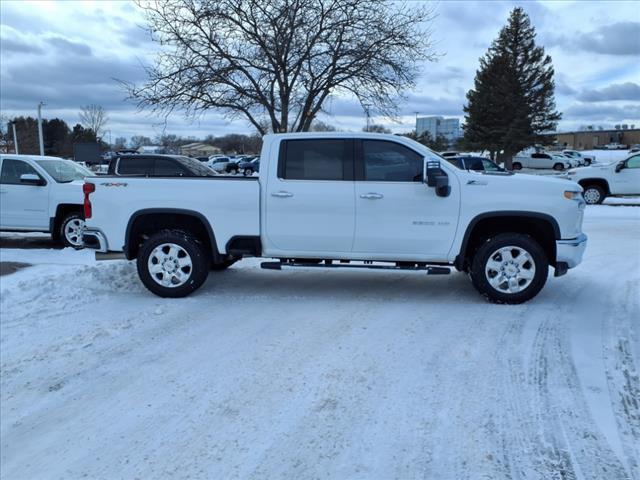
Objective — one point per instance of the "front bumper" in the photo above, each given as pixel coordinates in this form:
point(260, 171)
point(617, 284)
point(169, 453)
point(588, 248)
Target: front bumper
point(569, 252)
point(95, 239)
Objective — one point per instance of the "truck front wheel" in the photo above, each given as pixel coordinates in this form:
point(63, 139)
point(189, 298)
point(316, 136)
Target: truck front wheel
point(172, 263)
point(509, 268)
point(593, 194)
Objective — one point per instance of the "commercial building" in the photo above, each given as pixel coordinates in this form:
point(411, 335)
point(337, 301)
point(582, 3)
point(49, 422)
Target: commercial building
point(198, 149)
point(590, 139)
point(437, 126)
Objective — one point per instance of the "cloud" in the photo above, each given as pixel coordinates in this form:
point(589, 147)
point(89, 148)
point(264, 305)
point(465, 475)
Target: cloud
point(620, 38)
point(612, 113)
point(65, 46)
point(9, 45)
point(617, 91)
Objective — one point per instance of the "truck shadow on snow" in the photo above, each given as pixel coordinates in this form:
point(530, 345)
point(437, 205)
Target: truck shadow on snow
point(241, 283)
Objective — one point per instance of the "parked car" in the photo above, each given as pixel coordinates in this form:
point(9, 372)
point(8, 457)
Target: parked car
point(449, 154)
point(613, 179)
point(249, 166)
point(475, 163)
point(541, 160)
point(342, 201)
point(223, 165)
point(202, 159)
point(42, 194)
point(634, 148)
point(583, 158)
point(614, 146)
point(158, 166)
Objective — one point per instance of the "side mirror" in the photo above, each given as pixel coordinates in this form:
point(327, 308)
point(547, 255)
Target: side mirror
point(619, 166)
point(32, 179)
point(436, 177)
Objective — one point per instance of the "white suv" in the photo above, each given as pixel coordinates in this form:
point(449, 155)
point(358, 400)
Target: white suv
point(42, 194)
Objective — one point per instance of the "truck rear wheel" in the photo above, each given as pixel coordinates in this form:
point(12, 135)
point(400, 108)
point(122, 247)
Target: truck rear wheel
point(172, 263)
point(70, 230)
point(509, 268)
point(516, 166)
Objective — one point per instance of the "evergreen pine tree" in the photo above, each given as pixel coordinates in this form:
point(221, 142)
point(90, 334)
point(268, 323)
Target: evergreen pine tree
point(512, 102)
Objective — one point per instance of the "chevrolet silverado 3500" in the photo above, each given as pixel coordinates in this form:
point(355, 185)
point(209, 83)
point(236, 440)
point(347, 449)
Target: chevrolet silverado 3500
point(335, 200)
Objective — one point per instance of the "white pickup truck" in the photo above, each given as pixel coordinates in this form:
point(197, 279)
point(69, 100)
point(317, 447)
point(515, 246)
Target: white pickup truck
point(542, 160)
point(613, 179)
point(42, 194)
point(343, 200)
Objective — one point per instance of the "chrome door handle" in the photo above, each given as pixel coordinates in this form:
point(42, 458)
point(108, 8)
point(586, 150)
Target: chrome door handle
point(282, 194)
point(372, 196)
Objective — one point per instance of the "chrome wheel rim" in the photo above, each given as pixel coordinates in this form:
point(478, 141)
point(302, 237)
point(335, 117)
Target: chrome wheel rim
point(591, 195)
point(170, 265)
point(510, 269)
point(73, 230)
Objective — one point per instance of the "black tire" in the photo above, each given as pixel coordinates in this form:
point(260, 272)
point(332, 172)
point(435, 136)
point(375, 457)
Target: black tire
point(516, 166)
point(218, 267)
point(594, 194)
point(488, 249)
point(248, 172)
point(197, 273)
point(587, 163)
point(60, 235)
point(558, 166)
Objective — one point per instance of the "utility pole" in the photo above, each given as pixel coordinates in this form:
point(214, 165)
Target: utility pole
point(15, 138)
point(366, 107)
point(40, 129)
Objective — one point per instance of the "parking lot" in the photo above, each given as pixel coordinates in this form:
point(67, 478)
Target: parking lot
point(320, 374)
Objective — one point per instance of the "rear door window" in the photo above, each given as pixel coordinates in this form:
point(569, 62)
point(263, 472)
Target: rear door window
point(167, 167)
point(136, 166)
point(316, 159)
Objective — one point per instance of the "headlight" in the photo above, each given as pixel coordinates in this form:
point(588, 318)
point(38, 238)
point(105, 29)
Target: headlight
point(573, 195)
point(571, 173)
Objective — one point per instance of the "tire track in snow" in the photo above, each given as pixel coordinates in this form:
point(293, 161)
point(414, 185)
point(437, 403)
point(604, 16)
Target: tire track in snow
point(623, 374)
point(571, 445)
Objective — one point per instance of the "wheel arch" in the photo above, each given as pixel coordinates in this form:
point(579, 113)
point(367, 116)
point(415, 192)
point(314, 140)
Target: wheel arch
point(146, 221)
point(542, 227)
point(62, 210)
point(601, 182)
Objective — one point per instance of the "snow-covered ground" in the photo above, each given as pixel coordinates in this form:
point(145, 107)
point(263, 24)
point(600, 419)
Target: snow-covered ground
point(322, 374)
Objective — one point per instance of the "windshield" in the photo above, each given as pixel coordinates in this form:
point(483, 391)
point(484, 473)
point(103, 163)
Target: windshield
point(64, 171)
point(196, 167)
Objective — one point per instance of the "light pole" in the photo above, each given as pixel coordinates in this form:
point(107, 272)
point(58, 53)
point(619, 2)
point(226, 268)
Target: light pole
point(15, 138)
point(40, 128)
point(366, 107)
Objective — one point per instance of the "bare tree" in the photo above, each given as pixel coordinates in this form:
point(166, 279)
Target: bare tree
point(94, 118)
point(275, 62)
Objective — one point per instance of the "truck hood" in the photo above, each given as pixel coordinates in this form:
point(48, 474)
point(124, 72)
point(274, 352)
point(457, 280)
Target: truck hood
point(593, 169)
point(529, 183)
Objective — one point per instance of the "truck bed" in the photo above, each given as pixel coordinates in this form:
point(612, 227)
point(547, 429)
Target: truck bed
point(234, 199)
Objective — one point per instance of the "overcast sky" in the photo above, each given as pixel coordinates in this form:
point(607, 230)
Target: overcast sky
point(68, 53)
